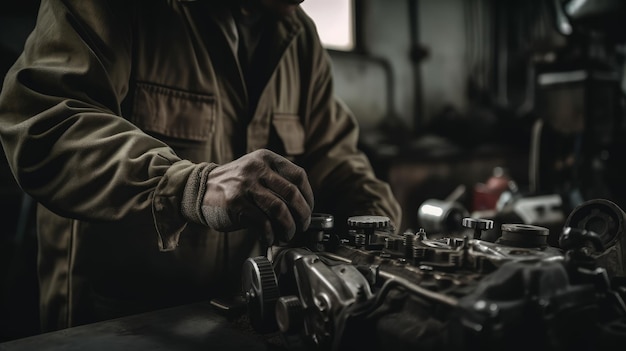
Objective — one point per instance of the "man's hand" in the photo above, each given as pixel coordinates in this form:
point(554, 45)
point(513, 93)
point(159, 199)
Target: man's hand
point(262, 191)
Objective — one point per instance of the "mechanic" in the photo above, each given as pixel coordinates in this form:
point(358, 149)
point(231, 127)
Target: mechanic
point(167, 141)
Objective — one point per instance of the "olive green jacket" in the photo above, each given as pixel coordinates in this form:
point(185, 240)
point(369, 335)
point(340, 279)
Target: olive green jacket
point(114, 105)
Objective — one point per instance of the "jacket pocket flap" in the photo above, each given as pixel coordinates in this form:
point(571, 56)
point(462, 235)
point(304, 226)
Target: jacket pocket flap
point(174, 113)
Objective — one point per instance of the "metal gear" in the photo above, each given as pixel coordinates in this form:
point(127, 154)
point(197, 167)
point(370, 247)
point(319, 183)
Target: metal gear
point(260, 288)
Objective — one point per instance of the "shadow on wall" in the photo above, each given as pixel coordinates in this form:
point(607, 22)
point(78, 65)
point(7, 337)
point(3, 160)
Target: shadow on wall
point(19, 292)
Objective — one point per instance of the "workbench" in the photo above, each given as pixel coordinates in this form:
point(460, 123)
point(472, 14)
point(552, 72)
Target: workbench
point(191, 327)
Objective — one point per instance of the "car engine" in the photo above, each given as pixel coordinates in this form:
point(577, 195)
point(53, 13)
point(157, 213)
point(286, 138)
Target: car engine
point(372, 289)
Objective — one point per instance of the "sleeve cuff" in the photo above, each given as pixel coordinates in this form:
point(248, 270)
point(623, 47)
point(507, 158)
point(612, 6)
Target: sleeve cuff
point(171, 208)
point(191, 204)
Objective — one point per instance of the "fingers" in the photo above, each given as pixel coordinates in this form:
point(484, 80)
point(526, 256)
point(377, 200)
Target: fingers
point(291, 172)
point(288, 205)
point(291, 184)
point(265, 212)
point(283, 194)
point(257, 221)
point(279, 212)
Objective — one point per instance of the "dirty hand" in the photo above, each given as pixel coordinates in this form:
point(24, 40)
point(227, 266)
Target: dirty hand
point(261, 191)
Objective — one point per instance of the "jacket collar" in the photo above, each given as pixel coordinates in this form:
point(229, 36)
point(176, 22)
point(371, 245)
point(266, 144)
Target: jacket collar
point(287, 29)
point(219, 12)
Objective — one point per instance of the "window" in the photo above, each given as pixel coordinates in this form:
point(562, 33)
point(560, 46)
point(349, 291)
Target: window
point(334, 20)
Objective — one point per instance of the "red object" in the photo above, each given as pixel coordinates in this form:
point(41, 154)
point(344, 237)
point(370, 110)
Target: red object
point(486, 195)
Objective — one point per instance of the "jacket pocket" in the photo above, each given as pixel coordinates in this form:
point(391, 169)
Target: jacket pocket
point(174, 113)
point(290, 131)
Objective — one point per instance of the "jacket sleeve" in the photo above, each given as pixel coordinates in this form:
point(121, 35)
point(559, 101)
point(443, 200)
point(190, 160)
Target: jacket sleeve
point(62, 130)
point(340, 174)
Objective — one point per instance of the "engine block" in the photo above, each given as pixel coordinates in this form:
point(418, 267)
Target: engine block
point(371, 289)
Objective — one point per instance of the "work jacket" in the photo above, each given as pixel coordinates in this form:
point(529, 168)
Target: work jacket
point(112, 111)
